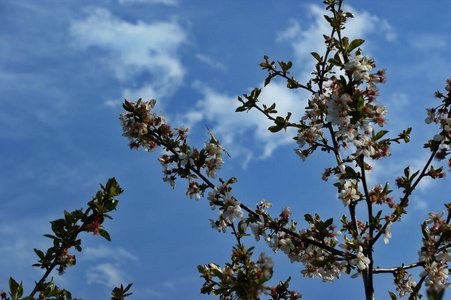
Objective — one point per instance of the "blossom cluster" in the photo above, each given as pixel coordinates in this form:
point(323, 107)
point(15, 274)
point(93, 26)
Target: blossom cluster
point(318, 262)
point(350, 109)
point(243, 277)
point(230, 207)
point(434, 254)
point(147, 129)
point(137, 122)
point(441, 115)
point(405, 285)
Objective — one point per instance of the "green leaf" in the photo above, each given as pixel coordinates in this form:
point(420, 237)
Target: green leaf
point(316, 56)
point(39, 253)
point(268, 80)
point(379, 135)
point(275, 128)
point(308, 218)
point(103, 233)
point(434, 294)
point(288, 66)
point(393, 296)
point(335, 62)
point(231, 180)
point(407, 172)
point(16, 290)
point(113, 188)
point(328, 222)
point(354, 44)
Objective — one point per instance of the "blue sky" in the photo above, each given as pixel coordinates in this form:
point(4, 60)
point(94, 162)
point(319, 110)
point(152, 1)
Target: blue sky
point(66, 66)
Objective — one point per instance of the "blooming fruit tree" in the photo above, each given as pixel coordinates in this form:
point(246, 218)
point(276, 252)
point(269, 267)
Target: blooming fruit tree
point(342, 119)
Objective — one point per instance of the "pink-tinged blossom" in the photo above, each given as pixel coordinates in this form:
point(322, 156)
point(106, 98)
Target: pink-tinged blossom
point(315, 110)
point(448, 86)
point(309, 135)
point(193, 190)
point(213, 165)
point(220, 225)
point(213, 196)
point(435, 275)
point(171, 180)
point(434, 218)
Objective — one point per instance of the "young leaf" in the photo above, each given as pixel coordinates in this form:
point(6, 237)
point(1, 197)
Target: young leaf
point(316, 56)
point(103, 233)
point(354, 44)
point(393, 296)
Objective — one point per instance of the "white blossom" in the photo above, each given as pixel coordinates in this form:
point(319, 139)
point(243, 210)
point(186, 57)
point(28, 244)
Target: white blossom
point(361, 261)
point(348, 193)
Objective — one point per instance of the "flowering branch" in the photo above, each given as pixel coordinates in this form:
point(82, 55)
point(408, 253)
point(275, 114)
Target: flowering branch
point(65, 236)
point(344, 106)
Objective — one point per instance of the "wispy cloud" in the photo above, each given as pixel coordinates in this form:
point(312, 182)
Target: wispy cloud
point(135, 51)
point(429, 41)
point(111, 271)
point(166, 2)
point(165, 289)
point(107, 274)
point(210, 62)
point(117, 254)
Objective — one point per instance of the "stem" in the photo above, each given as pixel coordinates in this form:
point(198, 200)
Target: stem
point(404, 200)
point(252, 212)
point(368, 275)
point(54, 263)
point(44, 278)
point(395, 269)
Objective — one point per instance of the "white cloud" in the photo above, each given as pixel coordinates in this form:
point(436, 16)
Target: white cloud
point(106, 274)
point(240, 133)
point(310, 39)
point(166, 2)
point(135, 49)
